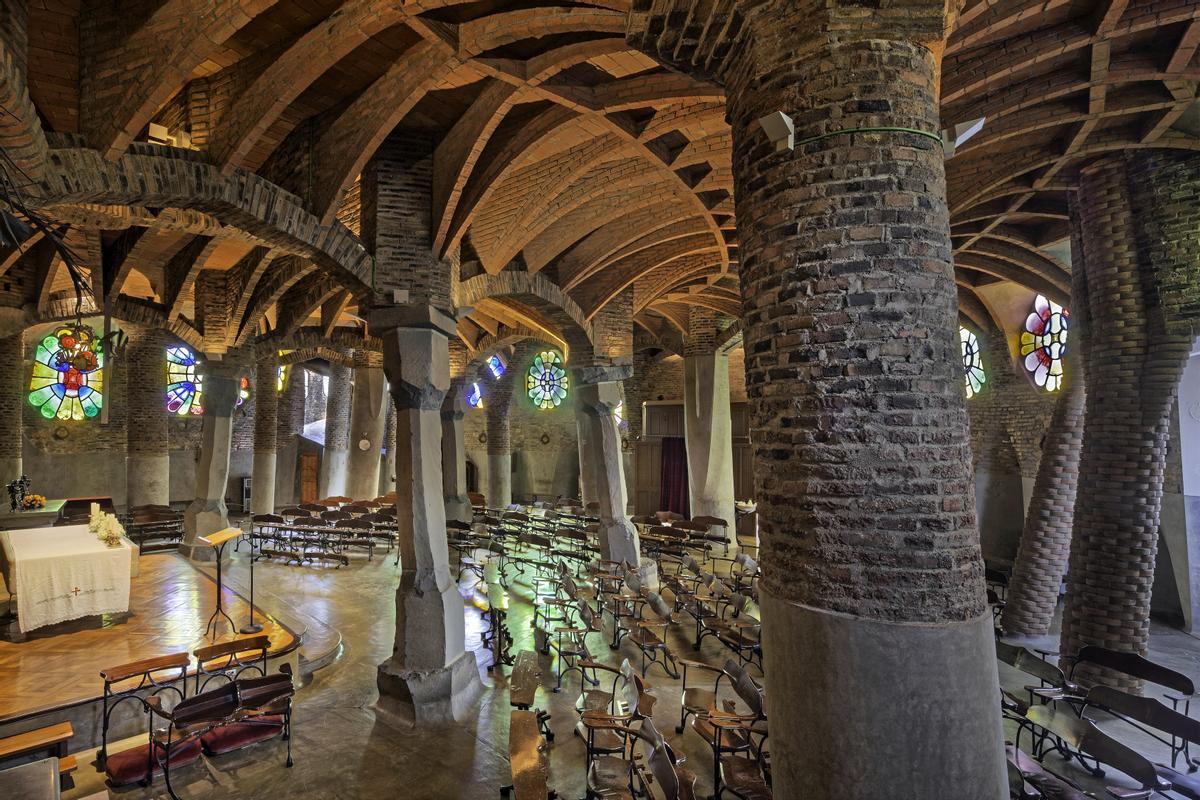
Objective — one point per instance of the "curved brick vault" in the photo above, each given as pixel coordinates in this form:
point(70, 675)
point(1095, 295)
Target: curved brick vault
point(562, 150)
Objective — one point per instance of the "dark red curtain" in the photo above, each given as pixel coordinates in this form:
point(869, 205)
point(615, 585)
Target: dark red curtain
point(673, 487)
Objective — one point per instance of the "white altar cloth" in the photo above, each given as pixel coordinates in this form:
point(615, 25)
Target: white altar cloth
point(64, 573)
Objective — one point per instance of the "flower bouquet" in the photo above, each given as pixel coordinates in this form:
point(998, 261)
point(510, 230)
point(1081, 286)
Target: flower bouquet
point(107, 527)
point(32, 501)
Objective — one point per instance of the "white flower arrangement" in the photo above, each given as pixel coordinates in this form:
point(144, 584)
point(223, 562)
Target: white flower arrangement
point(107, 527)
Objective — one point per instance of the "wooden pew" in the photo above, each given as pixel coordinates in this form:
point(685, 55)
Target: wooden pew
point(527, 757)
point(522, 689)
point(51, 740)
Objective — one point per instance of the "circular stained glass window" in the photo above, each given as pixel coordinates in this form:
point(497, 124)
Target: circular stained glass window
point(972, 359)
point(1044, 343)
point(546, 381)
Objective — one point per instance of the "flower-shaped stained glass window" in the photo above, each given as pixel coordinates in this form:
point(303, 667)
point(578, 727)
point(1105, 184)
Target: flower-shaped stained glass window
point(496, 366)
point(474, 396)
point(184, 382)
point(1044, 343)
point(972, 358)
point(546, 381)
point(243, 391)
point(68, 375)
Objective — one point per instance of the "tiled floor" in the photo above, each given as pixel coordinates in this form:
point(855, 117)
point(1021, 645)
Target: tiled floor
point(343, 751)
point(169, 603)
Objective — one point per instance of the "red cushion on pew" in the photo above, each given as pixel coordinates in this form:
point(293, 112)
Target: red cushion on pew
point(129, 766)
point(225, 738)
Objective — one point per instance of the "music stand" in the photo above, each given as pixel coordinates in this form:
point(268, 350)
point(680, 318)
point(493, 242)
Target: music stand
point(217, 542)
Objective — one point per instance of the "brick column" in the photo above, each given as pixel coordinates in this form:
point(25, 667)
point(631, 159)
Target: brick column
point(148, 459)
point(14, 383)
point(1045, 543)
point(337, 433)
point(368, 416)
point(1135, 360)
point(499, 437)
point(708, 427)
point(207, 513)
point(266, 420)
point(290, 418)
point(872, 584)
point(431, 677)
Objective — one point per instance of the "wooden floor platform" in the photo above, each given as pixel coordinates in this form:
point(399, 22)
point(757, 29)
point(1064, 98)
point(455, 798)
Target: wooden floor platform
point(169, 602)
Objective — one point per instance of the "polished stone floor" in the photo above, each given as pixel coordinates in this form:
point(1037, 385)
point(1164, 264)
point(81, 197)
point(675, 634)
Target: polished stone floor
point(343, 751)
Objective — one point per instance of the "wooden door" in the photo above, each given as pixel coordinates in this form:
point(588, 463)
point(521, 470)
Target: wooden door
point(308, 477)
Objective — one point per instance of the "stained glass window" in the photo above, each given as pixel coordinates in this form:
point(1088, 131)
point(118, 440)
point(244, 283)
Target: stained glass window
point(619, 414)
point(68, 375)
point(972, 359)
point(185, 385)
point(496, 366)
point(474, 397)
point(243, 391)
point(546, 381)
point(1044, 343)
point(281, 378)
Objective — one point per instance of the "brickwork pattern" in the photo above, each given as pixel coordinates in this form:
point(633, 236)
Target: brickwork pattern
point(337, 408)
point(1134, 367)
point(14, 376)
point(1045, 542)
point(314, 404)
point(266, 406)
point(852, 366)
point(146, 371)
point(290, 415)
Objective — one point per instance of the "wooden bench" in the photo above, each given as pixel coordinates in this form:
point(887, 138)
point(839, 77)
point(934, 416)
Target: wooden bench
point(522, 688)
point(527, 757)
point(157, 674)
point(51, 740)
point(231, 659)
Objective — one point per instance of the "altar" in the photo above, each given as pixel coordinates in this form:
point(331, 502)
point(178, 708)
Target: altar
point(64, 573)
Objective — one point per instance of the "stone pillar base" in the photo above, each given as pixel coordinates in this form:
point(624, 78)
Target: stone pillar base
point(409, 698)
point(921, 695)
point(618, 541)
point(147, 479)
point(201, 519)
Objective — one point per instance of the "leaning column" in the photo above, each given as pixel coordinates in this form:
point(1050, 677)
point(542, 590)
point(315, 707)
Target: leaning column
point(368, 417)
point(1139, 216)
point(332, 477)
point(266, 418)
point(454, 453)
point(877, 637)
point(598, 392)
point(431, 677)
point(207, 513)
point(707, 422)
point(148, 463)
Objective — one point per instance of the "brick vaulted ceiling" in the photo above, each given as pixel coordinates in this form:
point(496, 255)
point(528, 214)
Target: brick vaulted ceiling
point(561, 150)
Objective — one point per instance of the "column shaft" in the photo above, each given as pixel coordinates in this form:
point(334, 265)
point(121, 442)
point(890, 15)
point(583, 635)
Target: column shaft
point(872, 582)
point(454, 454)
point(597, 399)
point(709, 434)
point(368, 416)
point(499, 449)
point(266, 420)
point(208, 513)
point(148, 460)
point(14, 376)
point(1134, 366)
point(334, 460)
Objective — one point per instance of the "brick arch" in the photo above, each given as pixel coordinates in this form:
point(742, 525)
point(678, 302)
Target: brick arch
point(541, 294)
point(491, 345)
point(309, 338)
point(163, 177)
point(330, 354)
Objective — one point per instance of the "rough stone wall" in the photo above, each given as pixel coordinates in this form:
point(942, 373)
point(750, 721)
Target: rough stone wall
point(291, 404)
point(146, 375)
point(1167, 187)
point(266, 406)
point(336, 408)
point(14, 386)
point(314, 403)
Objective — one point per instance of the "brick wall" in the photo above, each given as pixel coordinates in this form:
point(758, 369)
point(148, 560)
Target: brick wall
point(14, 383)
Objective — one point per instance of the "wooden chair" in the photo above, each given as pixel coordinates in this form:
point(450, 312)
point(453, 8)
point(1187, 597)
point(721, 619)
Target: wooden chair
point(1167, 725)
point(649, 633)
point(737, 740)
point(356, 534)
point(230, 660)
point(695, 700)
point(1025, 772)
point(738, 627)
point(628, 702)
point(618, 777)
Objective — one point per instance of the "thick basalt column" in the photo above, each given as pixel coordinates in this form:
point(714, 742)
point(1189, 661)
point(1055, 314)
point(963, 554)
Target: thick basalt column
point(266, 419)
point(454, 453)
point(13, 387)
point(387, 463)
point(598, 392)
point(334, 461)
point(872, 585)
point(207, 513)
point(1136, 353)
point(588, 452)
point(368, 417)
point(1045, 545)
point(708, 428)
point(499, 444)
point(431, 677)
point(148, 459)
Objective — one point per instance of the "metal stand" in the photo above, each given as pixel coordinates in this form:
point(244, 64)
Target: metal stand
point(251, 626)
point(220, 611)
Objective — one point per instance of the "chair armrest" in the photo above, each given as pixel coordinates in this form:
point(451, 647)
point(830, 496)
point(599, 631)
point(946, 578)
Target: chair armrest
point(698, 664)
point(570, 630)
point(1128, 794)
point(1176, 697)
point(595, 665)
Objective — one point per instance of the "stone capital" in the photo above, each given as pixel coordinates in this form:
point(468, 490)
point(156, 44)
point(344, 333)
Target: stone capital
point(454, 407)
point(382, 319)
point(593, 374)
point(416, 361)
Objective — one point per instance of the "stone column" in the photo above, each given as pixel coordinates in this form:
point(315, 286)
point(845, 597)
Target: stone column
point(1138, 215)
point(708, 429)
point(454, 453)
point(387, 464)
point(368, 416)
point(14, 383)
point(499, 450)
point(1045, 542)
point(598, 391)
point(431, 677)
point(588, 454)
point(290, 418)
point(336, 457)
point(148, 459)
point(266, 420)
point(872, 585)
point(207, 513)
